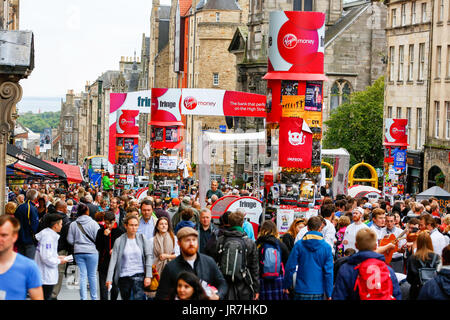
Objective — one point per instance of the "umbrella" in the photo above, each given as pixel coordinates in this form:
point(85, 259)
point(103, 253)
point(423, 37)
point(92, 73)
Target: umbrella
point(359, 191)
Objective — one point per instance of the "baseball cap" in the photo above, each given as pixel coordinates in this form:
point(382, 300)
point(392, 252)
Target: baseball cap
point(359, 209)
point(175, 201)
point(186, 231)
point(367, 205)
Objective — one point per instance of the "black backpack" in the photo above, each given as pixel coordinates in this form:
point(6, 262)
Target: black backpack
point(232, 253)
point(427, 271)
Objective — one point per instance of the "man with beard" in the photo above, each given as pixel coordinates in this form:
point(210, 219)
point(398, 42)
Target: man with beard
point(191, 260)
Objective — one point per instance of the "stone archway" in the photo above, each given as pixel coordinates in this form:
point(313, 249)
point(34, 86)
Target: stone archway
point(432, 173)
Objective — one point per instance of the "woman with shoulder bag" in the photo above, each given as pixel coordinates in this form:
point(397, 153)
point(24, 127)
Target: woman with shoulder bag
point(82, 233)
point(164, 248)
point(424, 257)
point(130, 266)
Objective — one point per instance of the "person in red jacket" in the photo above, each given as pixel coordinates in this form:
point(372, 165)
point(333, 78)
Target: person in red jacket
point(104, 242)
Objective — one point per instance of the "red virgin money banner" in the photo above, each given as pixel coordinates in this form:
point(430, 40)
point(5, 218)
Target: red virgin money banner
point(296, 42)
point(295, 144)
point(213, 102)
point(396, 134)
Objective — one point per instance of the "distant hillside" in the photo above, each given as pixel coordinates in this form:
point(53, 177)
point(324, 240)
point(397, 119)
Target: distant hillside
point(37, 122)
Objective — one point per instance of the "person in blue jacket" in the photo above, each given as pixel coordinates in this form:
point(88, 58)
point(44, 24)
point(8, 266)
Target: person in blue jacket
point(314, 259)
point(438, 288)
point(28, 216)
point(344, 287)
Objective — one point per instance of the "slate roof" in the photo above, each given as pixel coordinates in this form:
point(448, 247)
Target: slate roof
point(164, 12)
point(344, 22)
point(218, 5)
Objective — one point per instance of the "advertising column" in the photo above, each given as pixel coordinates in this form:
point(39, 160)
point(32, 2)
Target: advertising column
point(166, 142)
point(294, 111)
point(395, 150)
point(124, 136)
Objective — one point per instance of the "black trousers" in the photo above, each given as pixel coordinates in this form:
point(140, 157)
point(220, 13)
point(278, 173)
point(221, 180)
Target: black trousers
point(48, 289)
point(132, 288)
point(104, 289)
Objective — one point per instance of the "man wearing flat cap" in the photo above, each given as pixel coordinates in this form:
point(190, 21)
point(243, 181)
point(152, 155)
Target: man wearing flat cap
point(191, 260)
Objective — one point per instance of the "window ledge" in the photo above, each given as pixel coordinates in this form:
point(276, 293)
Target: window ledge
point(437, 80)
point(447, 80)
point(410, 82)
point(420, 82)
point(439, 23)
point(400, 82)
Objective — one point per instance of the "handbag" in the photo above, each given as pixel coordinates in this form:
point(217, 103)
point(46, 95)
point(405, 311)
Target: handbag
point(84, 232)
point(155, 279)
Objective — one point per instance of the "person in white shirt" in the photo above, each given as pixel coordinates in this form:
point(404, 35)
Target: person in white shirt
point(379, 222)
point(329, 231)
point(352, 229)
point(47, 257)
point(397, 257)
point(439, 241)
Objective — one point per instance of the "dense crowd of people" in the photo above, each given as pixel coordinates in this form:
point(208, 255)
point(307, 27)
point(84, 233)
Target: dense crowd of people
point(171, 249)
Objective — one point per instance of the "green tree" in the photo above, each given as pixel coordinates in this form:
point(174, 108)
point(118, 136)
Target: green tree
point(358, 126)
point(37, 122)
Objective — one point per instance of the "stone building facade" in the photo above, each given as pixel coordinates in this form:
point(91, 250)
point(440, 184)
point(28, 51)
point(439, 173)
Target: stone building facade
point(418, 86)
point(190, 58)
point(9, 14)
point(408, 31)
point(437, 143)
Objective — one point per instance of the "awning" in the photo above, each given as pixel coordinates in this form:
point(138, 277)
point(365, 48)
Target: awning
point(166, 123)
point(295, 76)
point(38, 164)
point(73, 173)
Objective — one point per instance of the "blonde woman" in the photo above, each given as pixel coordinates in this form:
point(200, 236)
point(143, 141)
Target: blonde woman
point(10, 208)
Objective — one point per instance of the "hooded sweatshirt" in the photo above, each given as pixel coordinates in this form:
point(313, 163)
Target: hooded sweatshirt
point(80, 242)
point(314, 259)
point(347, 274)
point(47, 255)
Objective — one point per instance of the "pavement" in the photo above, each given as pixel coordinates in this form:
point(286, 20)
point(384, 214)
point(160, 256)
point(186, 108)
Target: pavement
point(70, 289)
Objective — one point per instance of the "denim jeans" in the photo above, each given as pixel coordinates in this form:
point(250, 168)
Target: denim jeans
point(132, 288)
point(87, 263)
point(302, 296)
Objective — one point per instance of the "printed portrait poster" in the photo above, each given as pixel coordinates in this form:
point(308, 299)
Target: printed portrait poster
point(295, 146)
point(313, 96)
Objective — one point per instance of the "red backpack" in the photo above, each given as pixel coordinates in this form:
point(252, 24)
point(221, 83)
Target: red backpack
point(374, 280)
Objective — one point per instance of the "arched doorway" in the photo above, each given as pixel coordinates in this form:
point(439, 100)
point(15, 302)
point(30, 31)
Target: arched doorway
point(432, 173)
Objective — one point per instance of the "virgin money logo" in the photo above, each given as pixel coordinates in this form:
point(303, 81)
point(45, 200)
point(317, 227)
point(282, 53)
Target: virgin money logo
point(397, 130)
point(190, 103)
point(290, 41)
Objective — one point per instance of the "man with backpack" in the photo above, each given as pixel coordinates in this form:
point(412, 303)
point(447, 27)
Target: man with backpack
point(365, 275)
point(237, 258)
point(313, 257)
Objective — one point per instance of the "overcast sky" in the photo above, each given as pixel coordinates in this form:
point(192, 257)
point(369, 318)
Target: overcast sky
point(78, 40)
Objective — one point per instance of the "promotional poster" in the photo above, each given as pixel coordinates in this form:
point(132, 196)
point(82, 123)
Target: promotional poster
point(295, 144)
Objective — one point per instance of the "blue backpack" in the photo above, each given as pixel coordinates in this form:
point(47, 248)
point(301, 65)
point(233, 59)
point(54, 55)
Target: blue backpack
point(270, 261)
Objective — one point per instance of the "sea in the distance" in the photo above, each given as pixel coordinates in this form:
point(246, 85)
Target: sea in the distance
point(39, 104)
